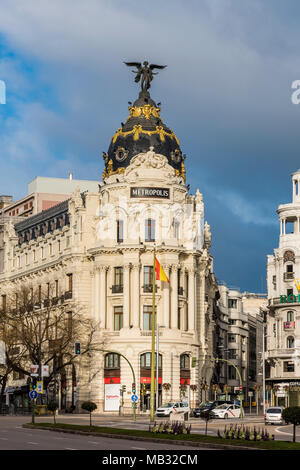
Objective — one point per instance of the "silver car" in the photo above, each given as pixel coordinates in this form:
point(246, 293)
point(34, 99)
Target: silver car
point(273, 415)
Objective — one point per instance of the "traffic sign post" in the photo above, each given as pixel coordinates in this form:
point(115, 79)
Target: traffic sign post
point(134, 399)
point(33, 395)
point(39, 385)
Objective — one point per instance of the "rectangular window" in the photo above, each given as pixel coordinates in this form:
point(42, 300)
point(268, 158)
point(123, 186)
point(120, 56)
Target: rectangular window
point(288, 366)
point(120, 231)
point(232, 303)
point(232, 338)
point(70, 282)
point(149, 230)
point(232, 353)
point(289, 292)
point(118, 276)
point(147, 317)
point(118, 318)
point(148, 276)
point(231, 373)
point(117, 287)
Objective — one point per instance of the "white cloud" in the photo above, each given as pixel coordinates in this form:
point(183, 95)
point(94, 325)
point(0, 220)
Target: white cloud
point(248, 212)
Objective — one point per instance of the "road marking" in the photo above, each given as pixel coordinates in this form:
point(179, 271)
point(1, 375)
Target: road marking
point(281, 432)
point(69, 448)
point(34, 443)
point(93, 442)
point(139, 448)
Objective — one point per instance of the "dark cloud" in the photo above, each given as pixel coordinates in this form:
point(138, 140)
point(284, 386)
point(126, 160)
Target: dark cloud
point(226, 93)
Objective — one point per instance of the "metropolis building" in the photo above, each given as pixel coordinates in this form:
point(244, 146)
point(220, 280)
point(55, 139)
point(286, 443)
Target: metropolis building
point(98, 248)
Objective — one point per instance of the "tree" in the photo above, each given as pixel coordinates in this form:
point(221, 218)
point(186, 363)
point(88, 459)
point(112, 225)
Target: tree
point(90, 407)
point(44, 328)
point(53, 406)
point(292, 415)
point(207, 416)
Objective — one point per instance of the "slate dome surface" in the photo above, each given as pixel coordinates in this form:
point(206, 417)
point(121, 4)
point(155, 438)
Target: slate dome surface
point(143, 129)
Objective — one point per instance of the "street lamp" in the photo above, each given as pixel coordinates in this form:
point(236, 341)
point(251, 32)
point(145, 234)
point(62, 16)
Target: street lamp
point(157, 360)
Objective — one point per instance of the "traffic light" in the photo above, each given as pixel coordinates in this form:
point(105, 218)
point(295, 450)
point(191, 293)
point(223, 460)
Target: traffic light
point(77, 348)
point(123, 388)
point(133, 388)
point(33, 383)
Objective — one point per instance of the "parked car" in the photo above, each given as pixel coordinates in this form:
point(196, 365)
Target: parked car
point(210, 405)
point(273, 415)
point(227, 411)
point(172, 407)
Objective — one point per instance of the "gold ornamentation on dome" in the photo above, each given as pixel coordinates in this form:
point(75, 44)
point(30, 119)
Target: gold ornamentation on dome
point(109, 170)
point(138, 129)
point(183, 171)
point(145, 111)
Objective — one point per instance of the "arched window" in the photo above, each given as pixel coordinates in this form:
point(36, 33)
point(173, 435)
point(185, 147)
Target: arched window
point(290, 342)
point(112, 361)
point(290, 316)
point(184, 361)
point(146, 360)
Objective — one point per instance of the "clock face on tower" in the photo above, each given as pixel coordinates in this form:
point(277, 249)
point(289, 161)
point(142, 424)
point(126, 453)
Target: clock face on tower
point(121, 154)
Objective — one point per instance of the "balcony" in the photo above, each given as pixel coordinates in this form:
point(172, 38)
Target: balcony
point(117, 289)
point(289, 325)
point(68, 295)
point(148, 288)
point(288, 276)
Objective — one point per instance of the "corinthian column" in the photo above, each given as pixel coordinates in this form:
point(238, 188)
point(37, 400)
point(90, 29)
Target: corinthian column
point(174, 296)
point(136, 296)
point(101, 298)
point(126, 296)
point(191, 299)
point(166, 298)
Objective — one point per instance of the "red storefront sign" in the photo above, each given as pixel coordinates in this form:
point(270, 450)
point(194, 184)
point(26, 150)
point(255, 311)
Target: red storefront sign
point(185, 381)
point(112, 380)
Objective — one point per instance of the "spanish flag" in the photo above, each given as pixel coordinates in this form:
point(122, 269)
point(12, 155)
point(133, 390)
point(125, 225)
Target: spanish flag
point(160, 273)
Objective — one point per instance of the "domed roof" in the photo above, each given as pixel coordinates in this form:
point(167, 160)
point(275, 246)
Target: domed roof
point(142, 130)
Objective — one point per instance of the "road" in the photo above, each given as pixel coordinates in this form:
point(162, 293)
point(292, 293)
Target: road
point(14, 437)
point(282, 432)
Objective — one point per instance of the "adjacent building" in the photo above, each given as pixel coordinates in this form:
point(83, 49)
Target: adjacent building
point(238, 342)
point(283, 314)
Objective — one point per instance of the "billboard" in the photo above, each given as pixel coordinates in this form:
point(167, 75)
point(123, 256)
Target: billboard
point(111, 397)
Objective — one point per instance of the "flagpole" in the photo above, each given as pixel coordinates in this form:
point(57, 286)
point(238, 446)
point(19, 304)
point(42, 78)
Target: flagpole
point(152, 390)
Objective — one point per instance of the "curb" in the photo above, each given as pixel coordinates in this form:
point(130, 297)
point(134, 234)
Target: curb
point(145, 439)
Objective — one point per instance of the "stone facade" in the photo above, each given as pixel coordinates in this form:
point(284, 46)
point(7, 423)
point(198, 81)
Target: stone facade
point(105, 242)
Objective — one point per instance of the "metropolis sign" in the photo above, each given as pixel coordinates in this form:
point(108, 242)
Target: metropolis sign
point(150, 192)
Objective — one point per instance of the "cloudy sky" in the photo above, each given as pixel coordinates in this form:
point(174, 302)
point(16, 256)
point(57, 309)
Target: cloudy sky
point(226, 93)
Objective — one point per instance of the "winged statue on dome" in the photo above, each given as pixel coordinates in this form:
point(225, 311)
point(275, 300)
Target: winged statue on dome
point(144, 72)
